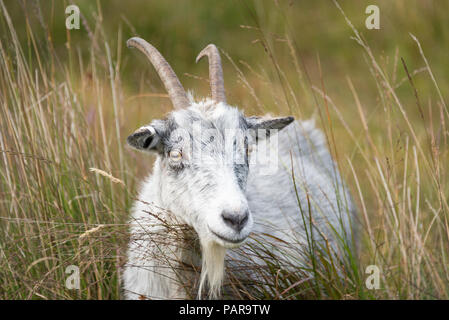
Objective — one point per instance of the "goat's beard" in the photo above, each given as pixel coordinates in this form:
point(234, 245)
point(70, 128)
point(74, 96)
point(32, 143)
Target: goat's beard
point(212, 271)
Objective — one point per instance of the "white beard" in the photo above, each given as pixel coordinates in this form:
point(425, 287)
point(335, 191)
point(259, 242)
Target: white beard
point(213, 262)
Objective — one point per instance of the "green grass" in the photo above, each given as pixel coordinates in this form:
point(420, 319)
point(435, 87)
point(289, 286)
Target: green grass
point(69, 99)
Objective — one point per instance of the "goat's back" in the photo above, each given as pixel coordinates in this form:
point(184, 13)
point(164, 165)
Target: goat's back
point(306, 187)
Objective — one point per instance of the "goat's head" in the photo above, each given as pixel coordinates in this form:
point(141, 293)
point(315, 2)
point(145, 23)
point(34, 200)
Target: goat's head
point(203, 150)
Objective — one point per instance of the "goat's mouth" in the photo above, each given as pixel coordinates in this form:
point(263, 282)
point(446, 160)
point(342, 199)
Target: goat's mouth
point(237, 241)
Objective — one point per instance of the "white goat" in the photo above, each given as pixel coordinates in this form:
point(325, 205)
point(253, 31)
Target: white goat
point(224, 198)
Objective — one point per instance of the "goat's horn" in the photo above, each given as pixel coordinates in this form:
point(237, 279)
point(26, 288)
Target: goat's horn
point(171, 82)
point(215, 72)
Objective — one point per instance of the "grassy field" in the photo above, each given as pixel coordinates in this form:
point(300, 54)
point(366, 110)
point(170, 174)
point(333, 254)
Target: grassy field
point(68, 99)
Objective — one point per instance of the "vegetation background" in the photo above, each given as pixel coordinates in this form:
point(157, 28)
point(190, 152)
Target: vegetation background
point(69, 98)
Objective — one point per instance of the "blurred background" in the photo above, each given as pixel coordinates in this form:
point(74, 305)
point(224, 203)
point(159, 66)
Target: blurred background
point(258, 36)
point(69, 98)
point(181, 29)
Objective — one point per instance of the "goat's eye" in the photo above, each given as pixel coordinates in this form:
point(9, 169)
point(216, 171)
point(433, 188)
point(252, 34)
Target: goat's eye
point(175, 155)
point(249, 149)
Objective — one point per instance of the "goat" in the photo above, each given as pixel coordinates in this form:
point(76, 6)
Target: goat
point(223, 198)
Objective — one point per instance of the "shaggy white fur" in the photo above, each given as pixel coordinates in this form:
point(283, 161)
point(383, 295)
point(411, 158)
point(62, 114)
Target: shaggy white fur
point(198, 193)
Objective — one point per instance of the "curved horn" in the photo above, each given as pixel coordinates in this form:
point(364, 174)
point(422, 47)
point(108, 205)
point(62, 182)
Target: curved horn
point(215, 72)
point(171, 82)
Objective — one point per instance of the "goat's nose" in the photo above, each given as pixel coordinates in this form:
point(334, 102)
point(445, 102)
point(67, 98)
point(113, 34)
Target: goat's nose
point(235, 220)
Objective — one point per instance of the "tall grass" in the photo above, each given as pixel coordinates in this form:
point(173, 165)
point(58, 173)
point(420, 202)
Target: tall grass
point(66, 111)
point(54, 128)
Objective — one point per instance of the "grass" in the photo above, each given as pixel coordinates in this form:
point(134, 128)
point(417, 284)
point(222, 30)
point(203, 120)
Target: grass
point(69, 99)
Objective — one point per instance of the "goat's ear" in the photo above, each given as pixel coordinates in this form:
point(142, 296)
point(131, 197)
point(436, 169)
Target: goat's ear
point(280, 123)
point(145, 139)
point(255, 124)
